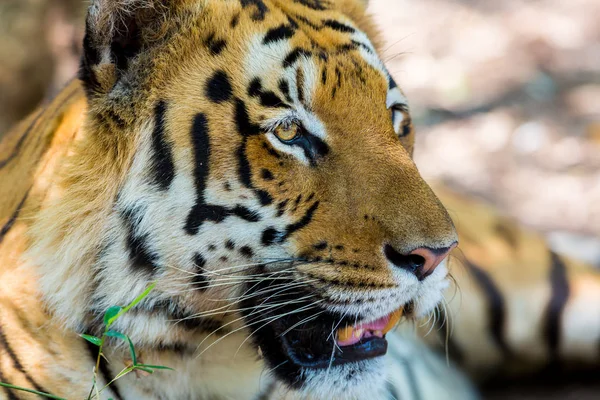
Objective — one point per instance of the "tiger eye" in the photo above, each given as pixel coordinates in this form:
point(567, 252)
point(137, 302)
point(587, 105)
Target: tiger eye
point(287, 133)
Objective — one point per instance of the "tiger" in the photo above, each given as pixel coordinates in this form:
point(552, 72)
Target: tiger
point(251, 160)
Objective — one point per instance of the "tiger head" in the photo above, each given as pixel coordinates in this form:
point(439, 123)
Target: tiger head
point(252, 157)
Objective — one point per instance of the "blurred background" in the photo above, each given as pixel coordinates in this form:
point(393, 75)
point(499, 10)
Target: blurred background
point(505, 96)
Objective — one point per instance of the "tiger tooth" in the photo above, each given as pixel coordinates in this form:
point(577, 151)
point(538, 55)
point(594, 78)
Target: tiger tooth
point(345, 334)
point(378, 333)
point(394, 318)
point(358, 333)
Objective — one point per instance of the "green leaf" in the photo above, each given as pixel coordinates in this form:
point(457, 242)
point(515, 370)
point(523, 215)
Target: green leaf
point(125, 338)
point(139, 298)
point(111, 315)
point(122, 310)
point(92, 339)
point(148, 370)
point(155, 367)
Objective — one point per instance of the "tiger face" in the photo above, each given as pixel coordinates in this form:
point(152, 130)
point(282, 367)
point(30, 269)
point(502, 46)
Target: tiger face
point(262, 159)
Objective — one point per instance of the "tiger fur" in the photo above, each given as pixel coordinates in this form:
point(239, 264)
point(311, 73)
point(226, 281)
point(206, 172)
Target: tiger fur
point(161, 164)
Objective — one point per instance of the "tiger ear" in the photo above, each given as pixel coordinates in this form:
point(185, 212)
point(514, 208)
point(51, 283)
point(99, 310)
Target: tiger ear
point(116, 32)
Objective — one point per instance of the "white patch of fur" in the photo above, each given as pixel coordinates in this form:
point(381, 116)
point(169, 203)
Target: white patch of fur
point(416, 372)
point(397, 118)
point(310, 72)
point(262, 60)
point(395, 97)
point(222, 372)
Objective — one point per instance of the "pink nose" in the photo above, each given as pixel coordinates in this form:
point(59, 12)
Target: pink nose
point(432, 257)
point(422, 261)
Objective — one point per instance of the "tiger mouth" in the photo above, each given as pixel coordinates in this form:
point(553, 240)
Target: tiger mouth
point(297, 338)
point(352, 343)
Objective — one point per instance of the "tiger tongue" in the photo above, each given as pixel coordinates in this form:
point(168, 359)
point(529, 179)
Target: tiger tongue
point(350, 335)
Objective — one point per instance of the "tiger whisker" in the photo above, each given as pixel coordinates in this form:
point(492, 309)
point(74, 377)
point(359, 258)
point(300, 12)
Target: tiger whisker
point(248, 325)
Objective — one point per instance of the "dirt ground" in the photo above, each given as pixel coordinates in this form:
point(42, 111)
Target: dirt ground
point(505, 96)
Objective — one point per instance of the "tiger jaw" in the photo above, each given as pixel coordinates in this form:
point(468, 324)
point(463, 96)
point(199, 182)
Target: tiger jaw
point(299, 334)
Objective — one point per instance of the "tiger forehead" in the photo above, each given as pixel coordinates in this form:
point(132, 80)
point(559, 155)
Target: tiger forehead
point(309, 27)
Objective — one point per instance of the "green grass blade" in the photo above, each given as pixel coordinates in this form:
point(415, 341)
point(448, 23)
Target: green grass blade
point(155, 367)
point(92, 339)
point(129, 306)
point(126, 339)
point(148, 370)
point(111, 315)
point(8, 385)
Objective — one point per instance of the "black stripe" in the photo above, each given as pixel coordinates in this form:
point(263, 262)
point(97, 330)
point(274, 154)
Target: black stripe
point(245, 173)
point(116, 119)
point(13, 218)
point(242, 119)
point(313, 147)
point(261, 9)
point(17, 147)
point(203, 324)
point(218, 88)
point(201, 147)
point(313, 4)
point(293, 56)
point(338, 84)
point(305, 20)
point(199, 280)
point(244, 170)
point(270, 99)
point(496, 305)
point(215, 46)
point(558, 300)
point(357, 44)
point(269, 236)
point(141, 256)
point(17, 364)
point(9, 392)
point(279, 33)
point(285, 90)
point(201, 211)
point(162, 164)
point(267, 97)
point(104, 371)
point(245, 214)
point(305, 220)
point(338, 26)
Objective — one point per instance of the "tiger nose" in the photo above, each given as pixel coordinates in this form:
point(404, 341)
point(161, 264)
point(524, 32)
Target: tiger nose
point(421, 261)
